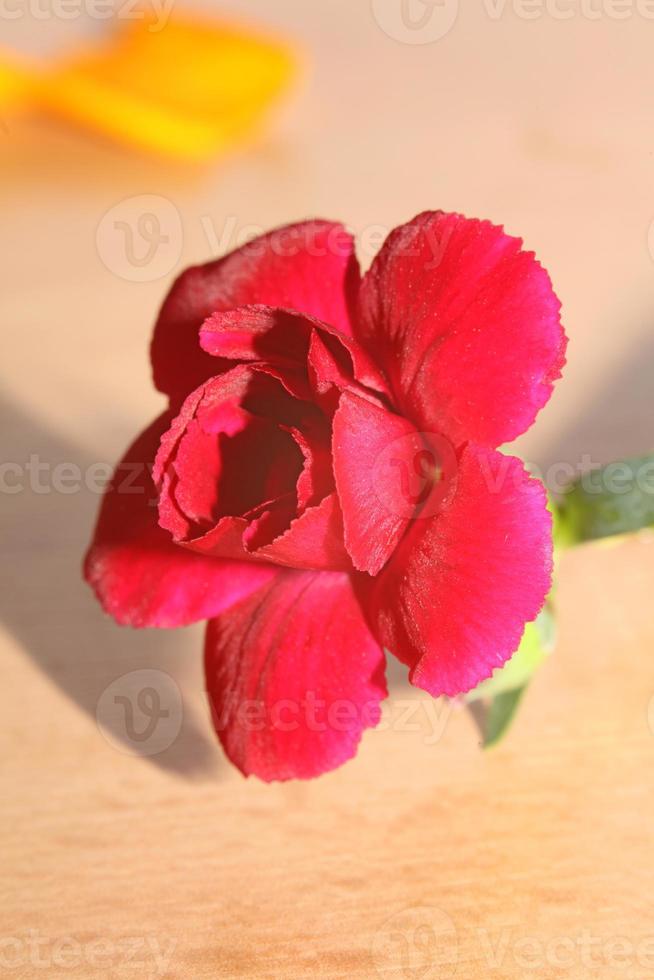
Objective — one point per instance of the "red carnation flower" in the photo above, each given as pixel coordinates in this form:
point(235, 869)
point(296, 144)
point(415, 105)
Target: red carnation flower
point(326, 481)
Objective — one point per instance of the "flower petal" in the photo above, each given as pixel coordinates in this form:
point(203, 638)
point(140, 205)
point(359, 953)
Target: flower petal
point(294, 676)
point(310, 266)
point(139, 575)
point(314, 540)
point(228, 450)
point(454, 600)
point(466, 326)
point(222, 473)
point(367, 442)
point(317, 477)
point(199, 491)
point(288, 340)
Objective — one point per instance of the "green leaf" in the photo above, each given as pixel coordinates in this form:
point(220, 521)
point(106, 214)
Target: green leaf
point(615, 500)
point(500, 715)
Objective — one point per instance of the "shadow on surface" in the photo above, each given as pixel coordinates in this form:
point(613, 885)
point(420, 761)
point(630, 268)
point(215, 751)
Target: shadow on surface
point(51, 612)
point(616, 419)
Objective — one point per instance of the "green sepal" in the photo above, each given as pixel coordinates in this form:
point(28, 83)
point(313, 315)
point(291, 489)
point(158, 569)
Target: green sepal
point(610, 502)
point(617, 499)
point(501, 694)
point(500, 715)
point(563, 533)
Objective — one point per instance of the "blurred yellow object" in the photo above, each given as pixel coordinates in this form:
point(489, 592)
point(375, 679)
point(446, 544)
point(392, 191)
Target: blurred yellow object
point(15, 83)
point(187, 89)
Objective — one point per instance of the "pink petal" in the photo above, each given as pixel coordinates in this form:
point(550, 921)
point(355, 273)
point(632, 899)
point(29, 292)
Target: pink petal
point(466, 326)
point(139, 575)
point(454, 600)
point(294, 676)
point(309, 266)
point(367, 441)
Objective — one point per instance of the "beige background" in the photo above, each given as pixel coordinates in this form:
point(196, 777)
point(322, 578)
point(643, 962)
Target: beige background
point(544, 125)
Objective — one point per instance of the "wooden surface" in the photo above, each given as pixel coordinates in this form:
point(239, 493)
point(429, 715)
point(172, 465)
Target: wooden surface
point(425, 857)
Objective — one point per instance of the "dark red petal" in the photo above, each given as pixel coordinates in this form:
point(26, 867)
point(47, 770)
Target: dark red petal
point(309, 267)
point(139, 575)
point(368, 442)
point(283, 338)
point(456, 596)
point(257, 333)
point(220, 458)
point(314, 540)
point(267, 529)
point(294, 677)
point(317, 477)
point(225, 540)
point(268, 521)
point(329, 372)
point(466, 326)
point(221, 474)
